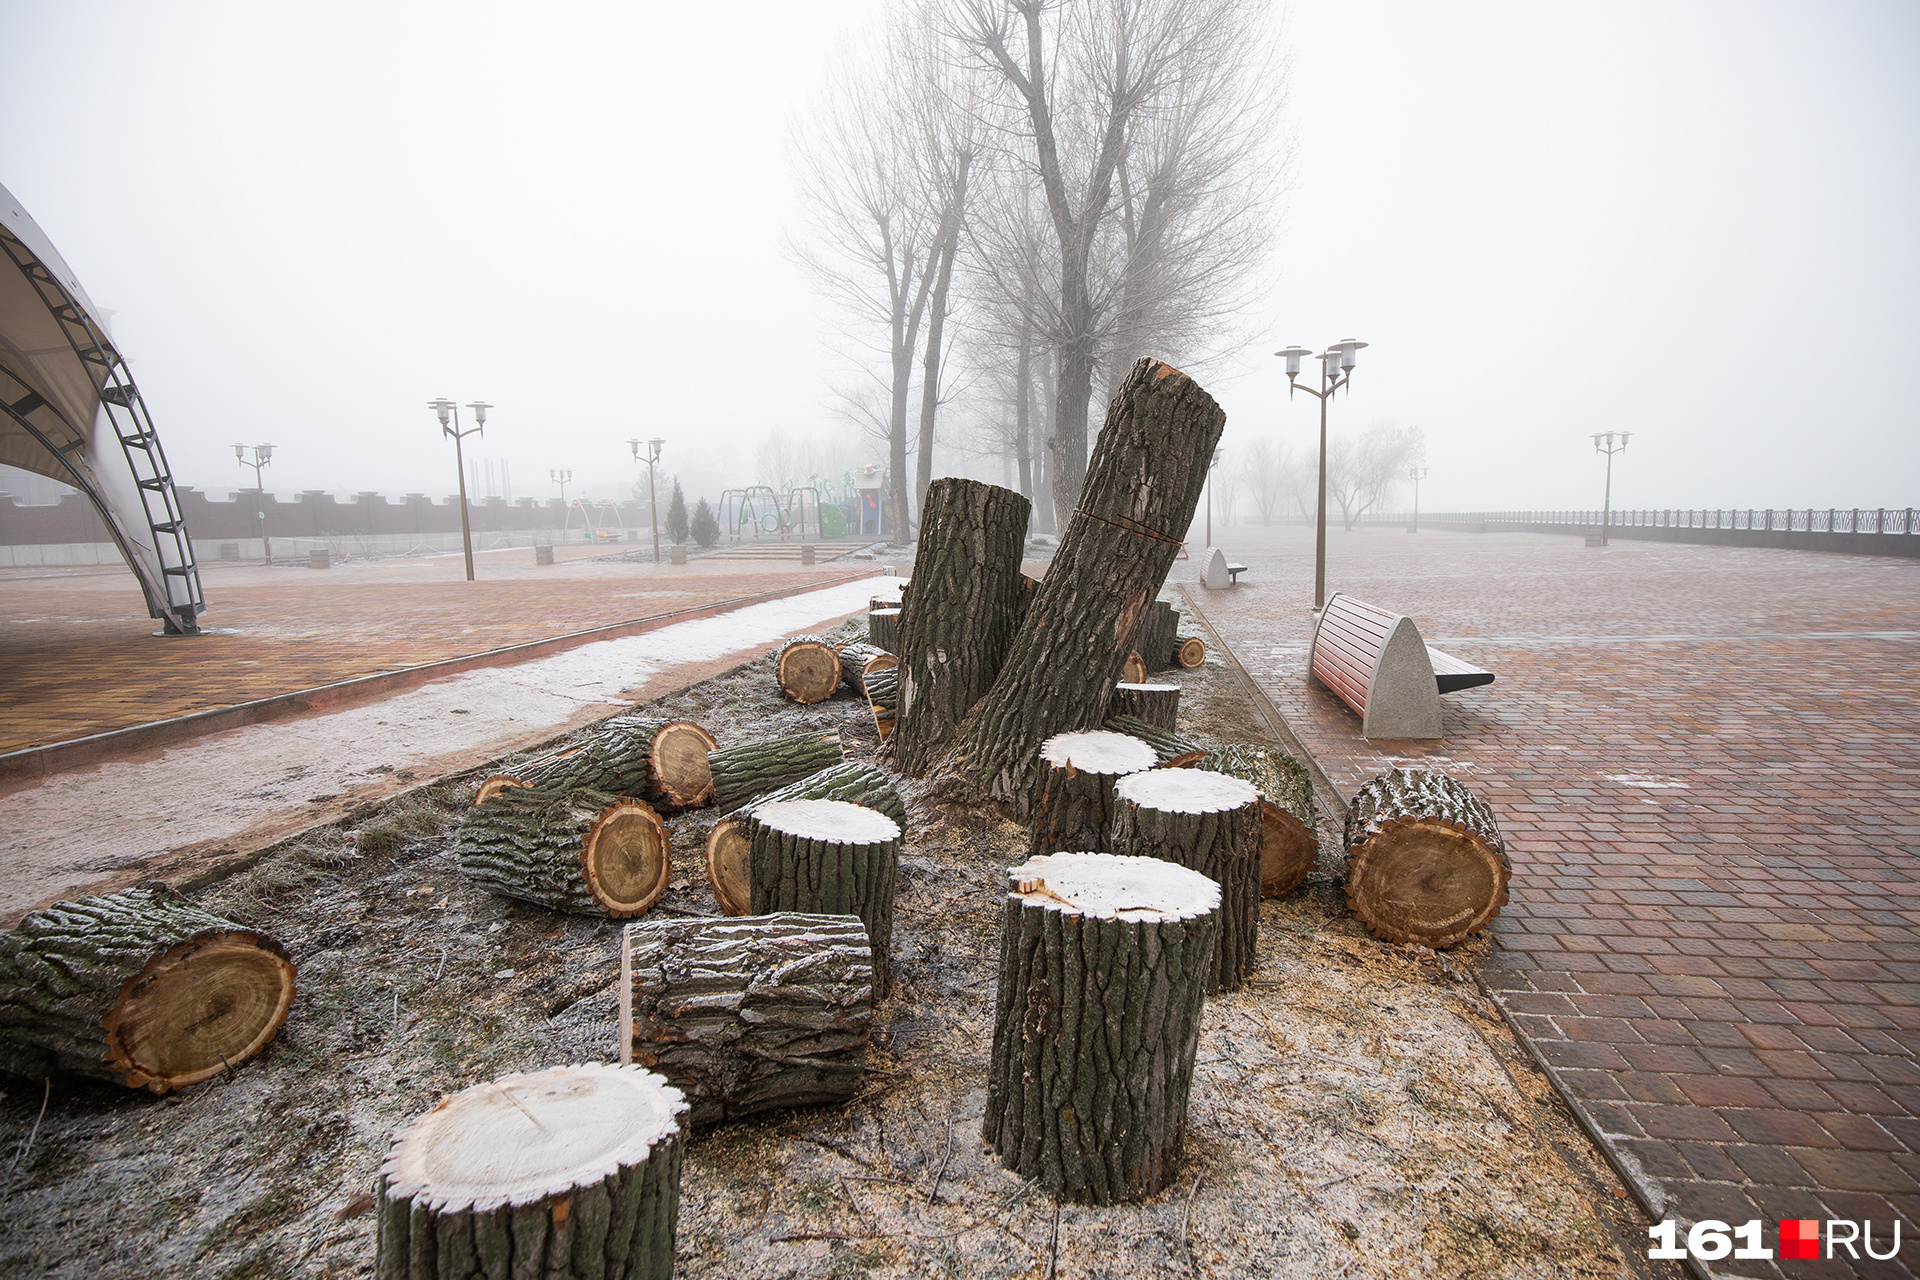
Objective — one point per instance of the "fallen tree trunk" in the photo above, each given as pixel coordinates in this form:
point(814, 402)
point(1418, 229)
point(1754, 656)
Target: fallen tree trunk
point(729, 848)
point(569, 1174)
point(856, 656)
point(1425, 862)
point(140, 987)
point(1172, 750)
point(741, 773)
point(749, 1015)
point(1076, 799)
point(1103, 974)
point(883, 692)
point(828, 857)
point(624, 756)
point(883, 629)
point(1290, 845)
point(580, 851)
point(1157, 704)
point(807, 669)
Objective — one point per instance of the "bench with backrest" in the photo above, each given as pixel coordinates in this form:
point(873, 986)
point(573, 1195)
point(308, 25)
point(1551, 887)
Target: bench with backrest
point(1375, 661)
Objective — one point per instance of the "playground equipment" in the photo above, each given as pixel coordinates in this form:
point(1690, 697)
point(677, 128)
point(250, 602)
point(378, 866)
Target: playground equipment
point(758, 510)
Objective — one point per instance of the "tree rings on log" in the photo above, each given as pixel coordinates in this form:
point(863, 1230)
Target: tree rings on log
point(1291, 845)
point(582, 851)
point(1134, 669)
point(1076, 800)
point(1425, 861)
point(828, 857)
point(1157, 704)
point(1191, 653)
point(624, 756)
point(570, 1173)
point(749, 1015)
point(678, 757)
point(883, 629)
point(1104, 963)
point(807, 669)
point(730, 866)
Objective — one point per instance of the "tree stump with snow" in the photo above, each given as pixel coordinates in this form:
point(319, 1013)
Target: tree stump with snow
point(1173, 751)
point(564, 1174)
point(752, 1014)
point(138, 987)
point(828, 857)
point(1425, 861)
point(1104, 962)
point(581, 851)
point(1290, 845)
point(883, 629)
point(883, 694)
point(807, 669)
point(661, 760)
point(1157, 637)
point(857, 656)
point(1206, 822)
point(1190, 653)
point(1157, 704)
point(730, 846)
point(1076, 799)
point(742, 773)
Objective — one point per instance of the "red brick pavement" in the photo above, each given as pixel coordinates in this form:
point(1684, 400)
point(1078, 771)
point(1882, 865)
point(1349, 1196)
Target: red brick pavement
point(1707, 765)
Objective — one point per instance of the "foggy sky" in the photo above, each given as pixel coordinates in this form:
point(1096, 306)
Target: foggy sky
point(1694, 222)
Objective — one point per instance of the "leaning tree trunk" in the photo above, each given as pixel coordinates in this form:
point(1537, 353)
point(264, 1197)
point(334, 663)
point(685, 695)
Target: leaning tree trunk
point(807, 669)
point(828, 857)
point(883, 691)
point(1142, 486)
point(140, 987)
point(1425, 862)
point(1157, 637)
point(580, 851)
point(961, 612)
point(729, 845)
point(624, 756)
point(883, 629)
point(749, 1015)
point(1173, 751)
point(1206, 822)
point(1076, 800)
point(1157, 704)
point(741, 773)
point(1103, 974)
point(1290, 845)
point(564, 1174)
point(856, 656)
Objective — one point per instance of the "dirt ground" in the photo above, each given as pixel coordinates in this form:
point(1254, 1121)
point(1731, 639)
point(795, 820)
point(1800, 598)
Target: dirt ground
point(1358, 1110)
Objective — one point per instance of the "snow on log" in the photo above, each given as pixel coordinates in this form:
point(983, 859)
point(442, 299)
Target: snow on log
point(741, 773)
point(827, 857)
point(1076, 799)
point(729, 846)
point(1425, 862)
point(580, 851)
point(807, 669)
point(1290, 846)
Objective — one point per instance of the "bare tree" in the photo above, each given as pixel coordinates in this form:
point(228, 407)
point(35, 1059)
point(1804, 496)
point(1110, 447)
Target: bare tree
point(1362, 471)
point(1264, 471)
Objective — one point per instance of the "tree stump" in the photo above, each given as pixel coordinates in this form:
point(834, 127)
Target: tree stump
point(1206, 822)
point(1173, 751)
point(856, 656)
point(140, 987)
point(741, 773)
point(749, 1015)
point(1157, 637)
point(1076, 803)
point(828, 857)
point(729, 846)
point(1191, 652)
point(883, 692)
point(1157, 704)
point(1103, 974)
point(1290, 846)
point(1425, 862)
point(883, 629)
point(581, 851)
point(569, 1173)
point(625, 756)
point(807, 669)
point(961, 612)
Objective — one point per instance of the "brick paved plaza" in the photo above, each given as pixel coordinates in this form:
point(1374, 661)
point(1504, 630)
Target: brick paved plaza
point(1707, 765)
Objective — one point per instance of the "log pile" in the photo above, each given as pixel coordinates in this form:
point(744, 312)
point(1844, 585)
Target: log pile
point(883, 629)
point(729, 847)
point(828, 857)
point(807, 669)
point(1103, 971)
point(565, 1174)
point(580, 851)
point(1290, 846)
point(664, 761)
point(1157, 704)
point(138, 987)
point(1076, 800)
point(1173, 751)
point(857, 657)
point(1425, 862)
point(741, 773)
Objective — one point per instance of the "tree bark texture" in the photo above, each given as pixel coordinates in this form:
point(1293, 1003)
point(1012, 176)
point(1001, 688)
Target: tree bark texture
point(792, 870)
point(1290, 845)
point(1076, 799)
point(664, 760)
point(1157, 704)
point(883, 692)
point(1173, 751)
point(856, 656)
point(961, 611)
point(1142, 487)
point(580, 851)
point(730, 848)
point(1158, 636)
point(807, 669)
point(752, 1014)
point(583, 1183)
point(1096, 1021)
point(883, 629)
point(741, 773)
point(139, 987)
point(1425, 862)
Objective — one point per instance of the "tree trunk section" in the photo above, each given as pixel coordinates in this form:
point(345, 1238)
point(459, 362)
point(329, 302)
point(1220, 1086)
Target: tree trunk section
point(883, 629)
point(729, 847)
point(827, 857)
point(1103, 973)
point(1290, 847)
point(1076, 799)
point(572, 1173)
point(1141, 491)
point(1134, 669)
point(1157, 704)
point(749, 1015)
point(1425, 862)
point(139, 987)
point(1173, 751)
point(883, 691)
point(1191, 652)
point(1158, 636)
point(856, 656)
point(741, 773)
point(807, 669)
point(580, 851)
point(1206, 822)
point(624, 756)
point(962, 610)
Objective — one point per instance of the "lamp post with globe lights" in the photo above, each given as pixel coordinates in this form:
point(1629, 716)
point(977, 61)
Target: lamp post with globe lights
point(1603, 442)
point(262, 455)
point(1416, 474)
point(449, 415)
point(653, 456)
point(1336, 371)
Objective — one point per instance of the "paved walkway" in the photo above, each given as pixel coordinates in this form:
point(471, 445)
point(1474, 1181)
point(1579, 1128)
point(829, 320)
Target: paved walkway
point(1707, 763)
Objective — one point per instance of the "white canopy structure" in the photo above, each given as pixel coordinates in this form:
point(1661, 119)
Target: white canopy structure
point(69, 410)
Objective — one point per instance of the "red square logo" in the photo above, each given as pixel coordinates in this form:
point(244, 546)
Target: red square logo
point(1800, 1238)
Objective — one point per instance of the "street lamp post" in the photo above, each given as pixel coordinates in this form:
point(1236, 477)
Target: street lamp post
point(1336, 371)
point(262, 455)
point(1217, 455)
point(449, 414)
point(1416, 474)
point(653, 456)
point(1603, 443)
point(563, 478)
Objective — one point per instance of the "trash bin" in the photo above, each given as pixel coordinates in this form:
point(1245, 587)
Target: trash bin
point(806, 553)
point(543, 554)
point(319, 559)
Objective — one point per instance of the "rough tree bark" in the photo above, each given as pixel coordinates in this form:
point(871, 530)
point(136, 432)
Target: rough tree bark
point(1290, 845)
point(807, 669)
point(139, 987)
point(1174, 751)
point(1103, 973)
point(1076, 799)
point(828, 857)
point(856, 656)
point(625, 756)
point(883, 629)
point(752, 1014)
point(1157, 704)
point(1158, 635)
point(1142, 487)
point(1425, 862)
point(579, 851)
point(741, 773)
point(883, 690)
point(565, 1174)
point(729, 847)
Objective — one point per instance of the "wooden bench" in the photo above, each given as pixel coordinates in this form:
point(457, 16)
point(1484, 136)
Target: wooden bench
point(1375, 661)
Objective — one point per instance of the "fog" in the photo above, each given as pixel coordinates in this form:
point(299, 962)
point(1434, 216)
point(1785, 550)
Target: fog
point(1695, 223)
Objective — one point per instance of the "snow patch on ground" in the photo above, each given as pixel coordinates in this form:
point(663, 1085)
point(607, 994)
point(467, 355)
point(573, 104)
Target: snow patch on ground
point(1186, 791)
point(1147, 688)
point(1111, 886)
point(1651, 781)
point(1098, 751)
point(838, 821)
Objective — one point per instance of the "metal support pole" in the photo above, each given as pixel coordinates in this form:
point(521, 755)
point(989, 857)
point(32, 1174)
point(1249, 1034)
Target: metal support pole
point(1320, 514)
point(1606, 510)
point(653, 517)
point(459, 463)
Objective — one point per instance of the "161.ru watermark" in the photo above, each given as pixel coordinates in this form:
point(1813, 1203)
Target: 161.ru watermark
point(1710, 1240)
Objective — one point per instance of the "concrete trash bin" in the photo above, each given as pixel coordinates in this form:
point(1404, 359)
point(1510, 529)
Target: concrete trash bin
point(543, 554)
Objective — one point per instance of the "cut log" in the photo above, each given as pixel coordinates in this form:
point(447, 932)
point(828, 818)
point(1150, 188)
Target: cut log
point(1157, 704)
point(742, 773)
point(1290, 847)
point(1425, 862)
point(1103, 975)
point(856, 656)
point(570, 1173)
point(883, 685)
point(729, 848)
point(749, 1015)
point(663, 760)
point(1174, 751)
point(139, 987)
point(827, 857)
point(580, 851)
point(1206, 822)
point(1158, 636)
point(1134, 669)
point(883, 629)
point(807, 669)
point(959, 614)
point(1191, 653)
point(1076, 801)
point(1143, 483)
